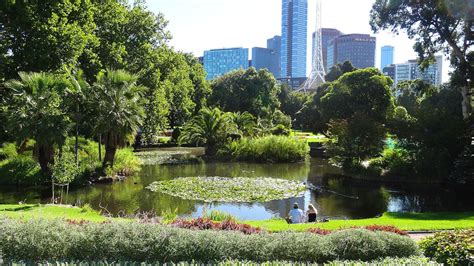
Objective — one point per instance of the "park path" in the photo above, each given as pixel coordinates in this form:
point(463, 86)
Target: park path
point(419, 236)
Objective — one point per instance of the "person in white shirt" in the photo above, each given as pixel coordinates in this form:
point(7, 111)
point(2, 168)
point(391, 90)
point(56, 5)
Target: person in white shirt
point(296, 215)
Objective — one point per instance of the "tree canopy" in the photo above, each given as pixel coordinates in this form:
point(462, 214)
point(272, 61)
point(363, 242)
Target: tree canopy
point(246, 90)
point(436, 26)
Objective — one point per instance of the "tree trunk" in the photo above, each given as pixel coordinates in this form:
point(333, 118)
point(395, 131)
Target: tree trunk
point(45, 157)
point(110, 150)
point(466, 102)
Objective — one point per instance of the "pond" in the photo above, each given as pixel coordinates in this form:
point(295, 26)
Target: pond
point(340, 197)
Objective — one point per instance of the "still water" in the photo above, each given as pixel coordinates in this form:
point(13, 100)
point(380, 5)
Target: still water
point(340, 197)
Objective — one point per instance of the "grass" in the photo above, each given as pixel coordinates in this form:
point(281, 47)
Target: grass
point(26, 212)
point(309, 137)
point(404, 221)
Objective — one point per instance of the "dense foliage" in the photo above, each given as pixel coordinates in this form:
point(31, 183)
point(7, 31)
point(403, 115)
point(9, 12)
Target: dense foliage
point(436, 26)
point(357, 106)
point(452, 248)
point(57, 240)
point(272, 149)
point(246, 90)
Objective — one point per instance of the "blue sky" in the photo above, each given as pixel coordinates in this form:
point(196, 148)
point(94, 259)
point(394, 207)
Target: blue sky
point(198, 25)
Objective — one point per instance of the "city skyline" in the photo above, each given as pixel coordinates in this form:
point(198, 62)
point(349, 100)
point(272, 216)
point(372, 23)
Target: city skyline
point(230, 23)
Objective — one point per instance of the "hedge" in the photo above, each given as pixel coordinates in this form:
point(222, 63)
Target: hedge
point(41, 240)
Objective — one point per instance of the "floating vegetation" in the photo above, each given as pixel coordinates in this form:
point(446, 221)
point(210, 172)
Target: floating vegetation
point(164, 157)
point(224, 189)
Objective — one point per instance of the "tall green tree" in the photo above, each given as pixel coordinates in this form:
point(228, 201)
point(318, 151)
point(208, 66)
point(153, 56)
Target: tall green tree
point(116, 108)
point(202, 88)
point(246, 90)
point(37, 111)
point(43, 35)
point(436, 26)
point(358, 105)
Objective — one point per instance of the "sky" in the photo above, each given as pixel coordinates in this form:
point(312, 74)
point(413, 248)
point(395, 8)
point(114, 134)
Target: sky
point(198, 25)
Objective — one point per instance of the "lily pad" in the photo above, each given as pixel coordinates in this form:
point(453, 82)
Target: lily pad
point(225, 189)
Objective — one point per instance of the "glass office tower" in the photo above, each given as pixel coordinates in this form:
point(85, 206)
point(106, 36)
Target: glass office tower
point(387, 56)
point(294, 30)
point(217, 62)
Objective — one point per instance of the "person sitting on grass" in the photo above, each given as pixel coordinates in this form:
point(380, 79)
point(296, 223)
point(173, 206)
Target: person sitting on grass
point(311, 213)
point(296, 215)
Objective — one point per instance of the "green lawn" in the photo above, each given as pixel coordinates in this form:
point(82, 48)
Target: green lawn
point(404, 221)
point(49, 212)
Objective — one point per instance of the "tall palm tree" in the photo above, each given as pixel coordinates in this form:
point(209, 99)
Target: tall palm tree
point(37, 111)
point(210, 127)
point(116, 104)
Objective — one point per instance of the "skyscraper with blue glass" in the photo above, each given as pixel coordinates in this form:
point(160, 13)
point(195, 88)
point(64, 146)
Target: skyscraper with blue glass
point(217, 62)
point(387, 56)
point(294, 28)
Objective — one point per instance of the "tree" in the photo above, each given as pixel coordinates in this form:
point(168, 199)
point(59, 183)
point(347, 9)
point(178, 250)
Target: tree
point(436, 26)
point(37, 111)
point(291, 101)
point(202, 88)
point(116, 108)
point(357, 106)
point(338, 70)
point(245, 123)
point(246, 90)
point(43, 35)
point(210, 127)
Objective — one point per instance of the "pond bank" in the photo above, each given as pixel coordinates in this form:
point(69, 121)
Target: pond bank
point(404, 221)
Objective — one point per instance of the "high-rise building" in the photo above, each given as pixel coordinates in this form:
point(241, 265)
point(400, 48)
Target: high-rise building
point(269, 57)
point(327, 35)
point(410, 70)
point(386, 58)
point(389, 71)
point(359, 49)
point(275, 44)
point(217, 62)
point(294, 28)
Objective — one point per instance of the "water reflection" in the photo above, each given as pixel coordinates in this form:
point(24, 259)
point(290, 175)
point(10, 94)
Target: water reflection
point(340, 196)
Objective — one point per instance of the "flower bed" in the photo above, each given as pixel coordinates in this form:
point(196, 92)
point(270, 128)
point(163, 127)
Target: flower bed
point(206, 224)
point(237, 189)
point(384, 228)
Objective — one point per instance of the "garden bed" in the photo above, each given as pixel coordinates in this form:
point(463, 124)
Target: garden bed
point(224, 189)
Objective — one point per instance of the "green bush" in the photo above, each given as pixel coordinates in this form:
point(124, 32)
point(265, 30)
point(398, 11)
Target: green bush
point(22, 171)
point(453, 248)
point(218, 216)
point(8, 151)
point(272, 149)
point(126, 163)
point(280, 130)
point(124, 241)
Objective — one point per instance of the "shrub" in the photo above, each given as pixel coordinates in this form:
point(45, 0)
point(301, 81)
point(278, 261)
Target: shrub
point(125, 241)
point(272, 149)
point(8, 151)
point(218, 216)
point(22, 171)
point(64, 169)
point(453, 248)
point(126, 163)
point(280, 130)
point(384, 228)
point(415, 260)
point(208, 224)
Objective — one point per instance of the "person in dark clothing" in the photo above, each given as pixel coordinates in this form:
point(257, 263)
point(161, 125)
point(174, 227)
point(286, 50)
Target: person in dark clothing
point(312, 213)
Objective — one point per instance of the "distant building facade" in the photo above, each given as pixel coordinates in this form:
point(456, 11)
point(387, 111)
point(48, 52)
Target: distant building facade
point(294, 30)
point(359, 49)
point(327, 35)
point(217, 62)
point(410, 70)
point(268, 58)
point(386, 58)
point(389, 71)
